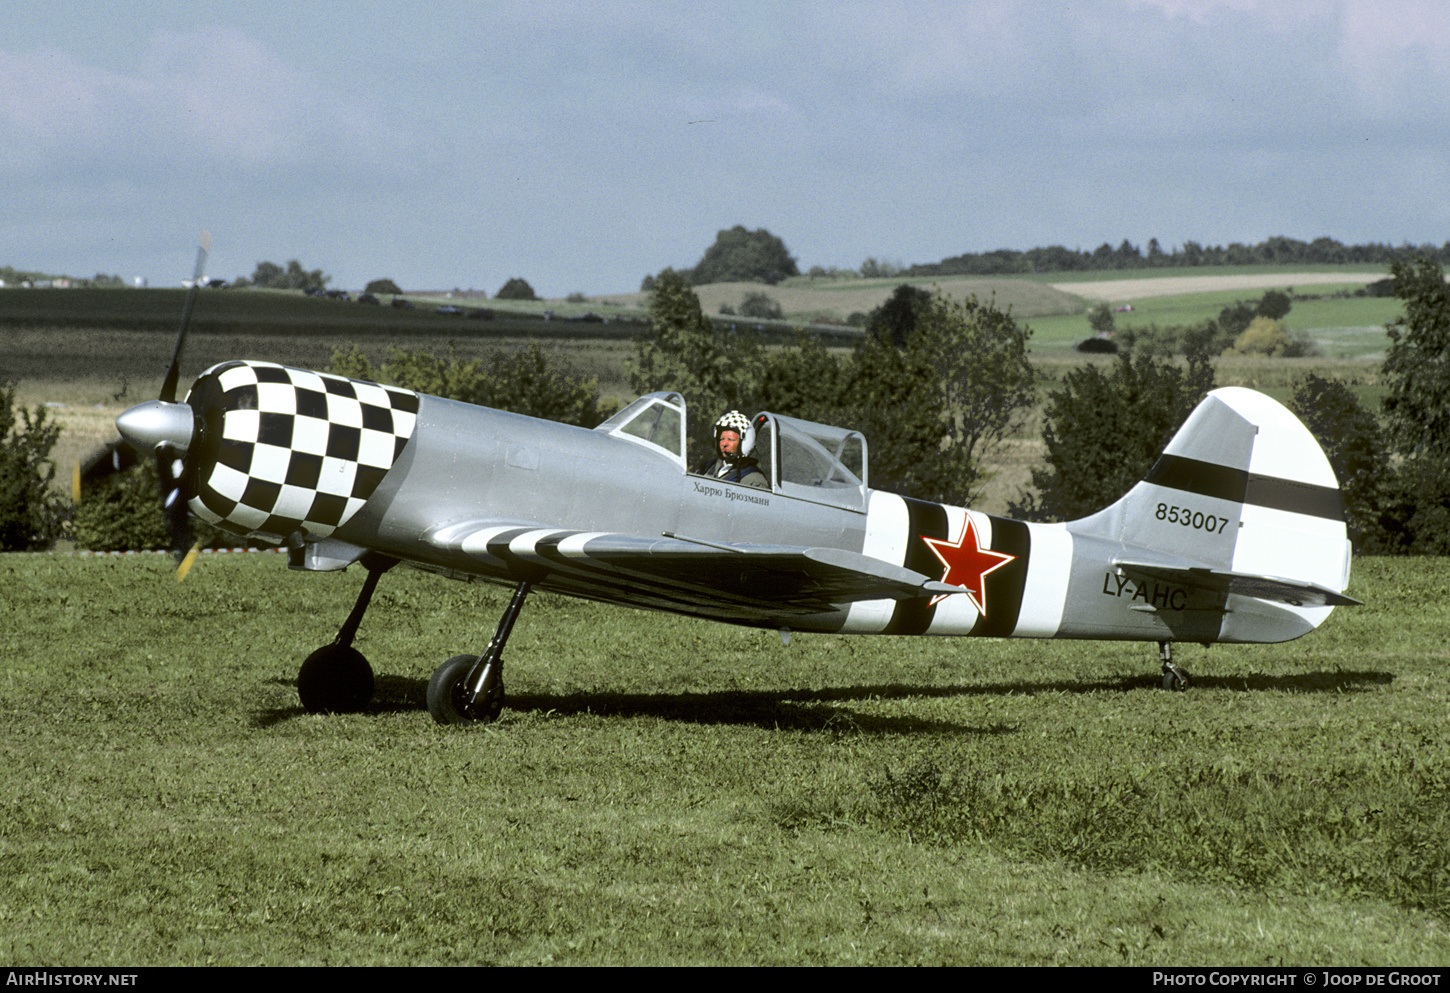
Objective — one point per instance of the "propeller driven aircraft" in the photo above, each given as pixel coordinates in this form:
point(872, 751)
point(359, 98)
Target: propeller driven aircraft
point(1235, 535)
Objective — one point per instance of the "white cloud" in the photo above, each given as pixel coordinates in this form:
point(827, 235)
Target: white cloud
point(208, 94)
point(1397, 55)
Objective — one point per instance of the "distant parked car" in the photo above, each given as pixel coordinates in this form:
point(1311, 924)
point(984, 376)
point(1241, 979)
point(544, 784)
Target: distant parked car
point(370, 299)
point(338, 295)
point(448, 309)
point(402, 304)
point(480, 314)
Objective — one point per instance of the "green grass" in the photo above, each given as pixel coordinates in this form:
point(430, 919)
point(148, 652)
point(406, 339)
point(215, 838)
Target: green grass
point(665, 791)
point(1343, 327)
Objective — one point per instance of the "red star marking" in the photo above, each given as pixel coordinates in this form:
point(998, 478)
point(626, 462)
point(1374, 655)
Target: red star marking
point(967, 564)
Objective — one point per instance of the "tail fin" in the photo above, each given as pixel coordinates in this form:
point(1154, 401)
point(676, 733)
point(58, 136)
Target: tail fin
point(1242, 502)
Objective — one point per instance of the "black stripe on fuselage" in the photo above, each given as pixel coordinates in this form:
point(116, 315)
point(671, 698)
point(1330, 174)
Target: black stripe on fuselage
point(1004, 586)
point(1238, 485)
point(914, 616)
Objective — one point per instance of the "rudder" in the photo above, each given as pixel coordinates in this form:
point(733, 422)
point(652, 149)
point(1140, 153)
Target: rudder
point(1244, 501)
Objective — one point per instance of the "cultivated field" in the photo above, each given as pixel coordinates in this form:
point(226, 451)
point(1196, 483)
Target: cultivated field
point(1122, 290)
point(663, 791)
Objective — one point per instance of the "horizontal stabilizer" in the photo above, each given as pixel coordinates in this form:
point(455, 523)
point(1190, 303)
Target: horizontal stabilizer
point(1273, 588)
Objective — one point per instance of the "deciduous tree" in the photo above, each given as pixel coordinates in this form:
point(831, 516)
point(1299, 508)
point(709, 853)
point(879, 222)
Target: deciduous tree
point(269, 275)
point(1100, 318)
point(1275, 305)
point(31, 514)
point(896, 318)
point(1352, 439)
point(741, 256)
point(684, 351)
point(1417, 364)
point(1104, 430)
point(806, 381)
point(1417, 409)
point(932, 408)
point(761, 307)
point(516, 289)
point(1265, 336)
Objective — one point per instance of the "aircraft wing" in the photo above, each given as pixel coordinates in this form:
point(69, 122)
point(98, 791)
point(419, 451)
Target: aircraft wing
point(1273, 588)
point(737, 581)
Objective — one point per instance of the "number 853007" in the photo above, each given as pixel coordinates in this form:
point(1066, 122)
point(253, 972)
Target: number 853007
point(1190, 518)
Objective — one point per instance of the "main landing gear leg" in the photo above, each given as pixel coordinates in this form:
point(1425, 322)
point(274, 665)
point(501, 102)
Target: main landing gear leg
point(1175, 677)
point(470, 687)
point(337, 678)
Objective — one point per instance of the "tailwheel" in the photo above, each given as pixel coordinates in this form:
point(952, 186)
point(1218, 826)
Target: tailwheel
point(452, 701)
point(335, 679)
point(1175, 677)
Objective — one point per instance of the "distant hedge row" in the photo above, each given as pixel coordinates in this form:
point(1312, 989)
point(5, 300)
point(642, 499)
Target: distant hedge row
point(1274, 251)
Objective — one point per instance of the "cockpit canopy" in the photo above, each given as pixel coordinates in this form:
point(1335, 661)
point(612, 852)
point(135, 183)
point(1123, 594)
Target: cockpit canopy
point(801, 459)
point(656, 421)
point(812, 461)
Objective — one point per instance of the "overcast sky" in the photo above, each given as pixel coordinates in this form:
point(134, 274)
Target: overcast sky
point(581, 145)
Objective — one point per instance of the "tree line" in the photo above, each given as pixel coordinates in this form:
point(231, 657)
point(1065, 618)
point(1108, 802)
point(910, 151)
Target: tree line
point(1278, 250)
point(741, 255)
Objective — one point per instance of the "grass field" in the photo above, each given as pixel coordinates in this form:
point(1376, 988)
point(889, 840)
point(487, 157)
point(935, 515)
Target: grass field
point(1342, 326)
point(664, 791)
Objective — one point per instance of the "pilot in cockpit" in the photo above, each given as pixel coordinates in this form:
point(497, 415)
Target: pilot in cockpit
point(734, 439)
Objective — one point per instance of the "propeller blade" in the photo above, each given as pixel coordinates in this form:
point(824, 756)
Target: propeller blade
point(104, 462)
point(173, 372)
point(169, 468)
point(186, 563)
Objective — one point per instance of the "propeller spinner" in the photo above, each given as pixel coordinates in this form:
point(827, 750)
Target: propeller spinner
point(156, 423)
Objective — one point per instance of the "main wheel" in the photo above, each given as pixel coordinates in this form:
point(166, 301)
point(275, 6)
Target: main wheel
point(446, 693)
point(335, 679)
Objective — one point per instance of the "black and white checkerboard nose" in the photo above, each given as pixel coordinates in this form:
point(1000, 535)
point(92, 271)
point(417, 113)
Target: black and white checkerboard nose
point(287, 449)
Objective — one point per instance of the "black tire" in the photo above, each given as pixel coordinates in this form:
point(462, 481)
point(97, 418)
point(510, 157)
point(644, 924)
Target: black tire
point(445, 694)
point(335, 679)
point(1175, 680)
